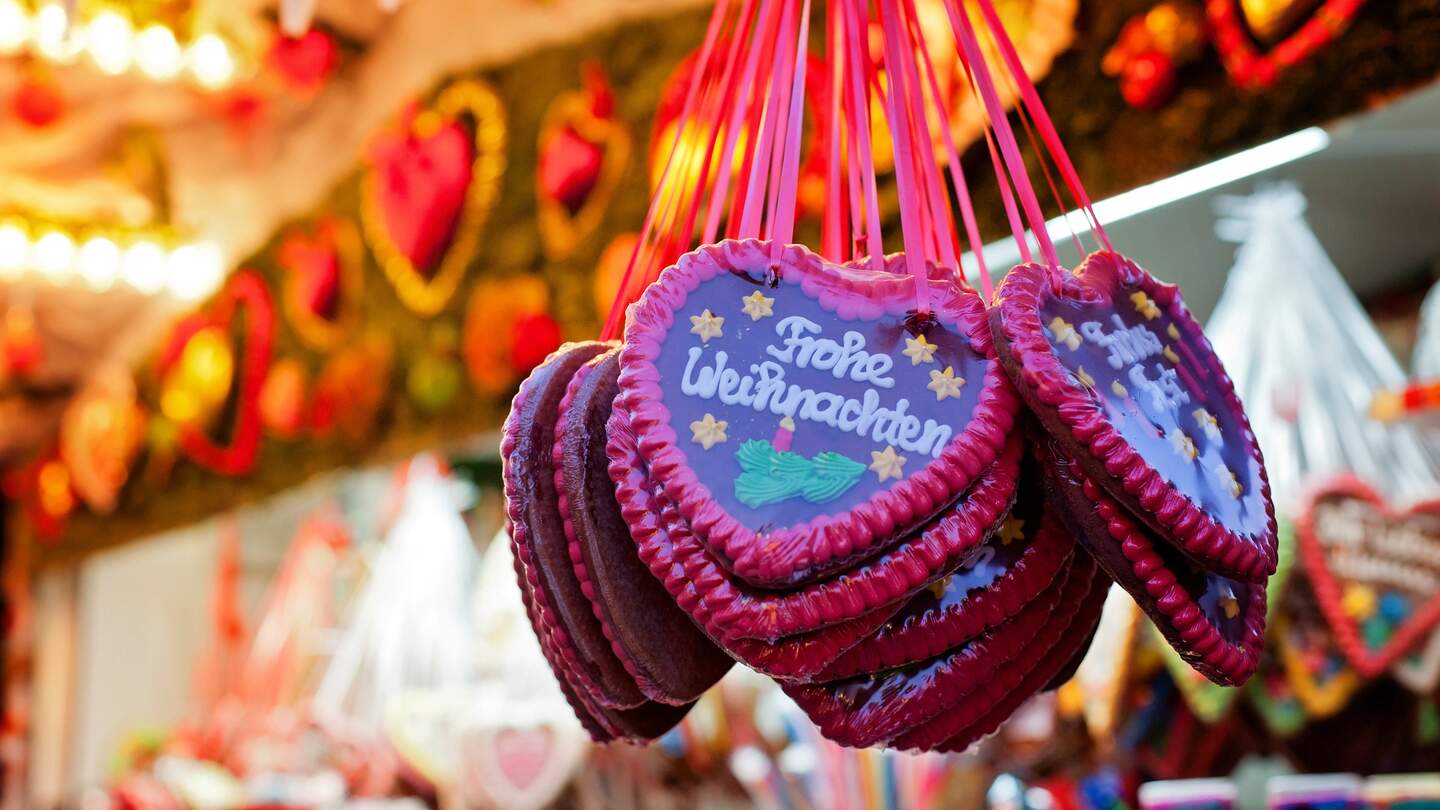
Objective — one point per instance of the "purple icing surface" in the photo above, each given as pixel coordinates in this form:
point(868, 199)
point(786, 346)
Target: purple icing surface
point(1162, 418)
point(745, 348)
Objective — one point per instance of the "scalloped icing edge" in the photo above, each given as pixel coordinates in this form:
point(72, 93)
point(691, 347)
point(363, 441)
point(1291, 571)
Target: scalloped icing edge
point(1207, 651)
point(824, 543)
point(926, 636)
point(954, 676)
point(1042, 383)
point(703, 587)
point(981, 717)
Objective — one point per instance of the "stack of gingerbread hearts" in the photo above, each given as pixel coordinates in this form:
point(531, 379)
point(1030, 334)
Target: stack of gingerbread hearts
point(628, 660)
point(1148, 453)
point(818, 463)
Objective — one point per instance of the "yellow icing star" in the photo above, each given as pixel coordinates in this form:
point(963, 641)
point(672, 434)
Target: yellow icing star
point(1172, 332)
point(1207, 423)
point(1064, 332)
point(708, 431)
point(1171, 355)
point(1358, 602)
point(1229, 603)
point(757, 306)
point(1228, 479)
point(1119, 389)
point(919, 350)
point(1182, 444)
point(1084, 378)
point(938, 588)
point(1144, 305)
point(707, 325)
point(1011, 530)
point(887, 463)
point(945, 384)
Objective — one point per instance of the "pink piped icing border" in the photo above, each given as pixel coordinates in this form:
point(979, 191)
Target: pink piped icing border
point(1219, 660)
point(1046, 555)
point(959, 728)
point(954, 677)
point(790, 554)
point(643, 680)
point(1048, 388)
point(730, 611)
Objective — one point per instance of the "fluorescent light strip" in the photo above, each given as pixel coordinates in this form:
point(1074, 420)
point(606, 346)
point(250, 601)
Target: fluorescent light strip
point(999, 255)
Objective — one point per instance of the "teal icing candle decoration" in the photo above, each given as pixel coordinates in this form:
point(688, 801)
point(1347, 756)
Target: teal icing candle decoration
point(770, 473)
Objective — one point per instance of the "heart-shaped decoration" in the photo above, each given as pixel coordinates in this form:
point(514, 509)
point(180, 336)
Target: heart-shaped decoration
point(430, 189)
point(1248, 67)
point(324, 281)
point(798, 413)
point(521, 768)
point(1123, 378)
point(1375, 569)
point(583, 152)
point(247, 297)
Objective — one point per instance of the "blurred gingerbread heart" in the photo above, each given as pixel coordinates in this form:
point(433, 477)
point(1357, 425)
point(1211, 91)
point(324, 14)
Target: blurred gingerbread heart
point(583, 151)
point(432, 181)
point(324, 280)
point(1375, 568)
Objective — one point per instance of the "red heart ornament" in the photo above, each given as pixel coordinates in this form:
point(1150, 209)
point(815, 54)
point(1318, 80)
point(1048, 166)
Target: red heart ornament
point(1252, 70)
point(1375, 570)
point(583, 152)
point(798, 414)
point(324, 281)
point(1123, 378)
point(430, 189)
point(246, 293)
point(305, 61)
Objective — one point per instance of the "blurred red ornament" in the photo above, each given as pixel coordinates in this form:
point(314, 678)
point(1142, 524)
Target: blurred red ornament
point(1148, 81)
point(38, 101)
point(20, 347)
point(532, 339)
point(284, 399)
point(569, 168)
point(422, 171)
point(305, 62)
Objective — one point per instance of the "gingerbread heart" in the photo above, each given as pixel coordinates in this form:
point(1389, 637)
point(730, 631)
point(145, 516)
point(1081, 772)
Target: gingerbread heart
point(583, 153)
point(247, 298)
point(1375, 570)
point(799, 413)
point(429, 191)
point(324, 281)
point(1122, 376)
point(1215, 623)
point(1252, 69)
point(521, 768)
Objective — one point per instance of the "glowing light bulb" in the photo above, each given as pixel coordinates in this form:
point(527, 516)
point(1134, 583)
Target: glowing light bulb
point(210, 61)
point(111, 41)
point(99, 263)
point(14, 251)
point(158, 54)
point(144, 267)
point(53, 35)
point(14, 27)
point(54, 254)
point(195, 271)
